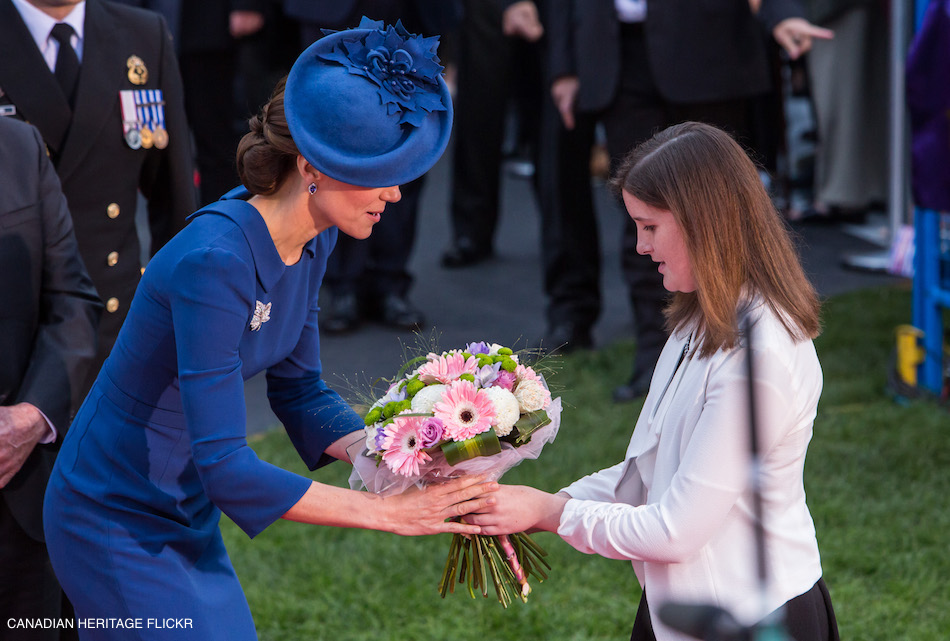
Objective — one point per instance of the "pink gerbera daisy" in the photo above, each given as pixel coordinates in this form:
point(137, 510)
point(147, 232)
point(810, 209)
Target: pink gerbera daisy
point(445, 369)
point(404, 446)
point(465, 411)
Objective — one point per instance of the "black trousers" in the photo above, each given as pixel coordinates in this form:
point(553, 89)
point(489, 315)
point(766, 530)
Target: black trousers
point(570, 240)
point(28, 587)
point(807, 617)
point(491, 68)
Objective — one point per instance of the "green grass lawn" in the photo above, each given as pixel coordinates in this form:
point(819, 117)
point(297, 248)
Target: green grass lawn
point(877, 476)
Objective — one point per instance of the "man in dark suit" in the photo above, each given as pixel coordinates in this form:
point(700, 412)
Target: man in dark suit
point(47, 342)
point(96, 130)
point(638, 66)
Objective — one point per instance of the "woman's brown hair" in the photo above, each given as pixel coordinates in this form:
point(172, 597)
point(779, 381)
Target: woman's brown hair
point(734, 236)
point(267, 153)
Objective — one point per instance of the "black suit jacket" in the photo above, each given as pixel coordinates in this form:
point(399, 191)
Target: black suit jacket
point(428, 17)
point(49, 307)
point(199, 25)
point(100, 173)
point(700, 50)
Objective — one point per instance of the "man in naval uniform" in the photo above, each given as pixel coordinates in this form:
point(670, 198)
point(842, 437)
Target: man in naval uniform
point(108, 103)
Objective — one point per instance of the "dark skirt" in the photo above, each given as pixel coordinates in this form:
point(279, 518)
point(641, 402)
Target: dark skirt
point(807, 617)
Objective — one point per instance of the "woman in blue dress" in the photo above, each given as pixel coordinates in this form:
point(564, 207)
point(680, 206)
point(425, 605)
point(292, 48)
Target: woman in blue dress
point(158, 449)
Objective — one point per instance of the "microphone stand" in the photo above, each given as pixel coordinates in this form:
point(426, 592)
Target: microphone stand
point(710, 622)
point(771, 628)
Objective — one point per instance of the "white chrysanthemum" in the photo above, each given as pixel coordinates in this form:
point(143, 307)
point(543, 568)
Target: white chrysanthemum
point(532, 396)
point(507, 409)
point(371, 432)
point(425, 398)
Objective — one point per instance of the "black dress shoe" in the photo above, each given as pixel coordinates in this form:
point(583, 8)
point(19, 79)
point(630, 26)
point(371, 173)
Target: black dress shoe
point(397, 312)
point(464, 255)
point(564, 338)
point(342, 315)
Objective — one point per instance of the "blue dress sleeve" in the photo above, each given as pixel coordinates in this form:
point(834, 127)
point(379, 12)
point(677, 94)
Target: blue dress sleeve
point(313, 414)
point(210, 303)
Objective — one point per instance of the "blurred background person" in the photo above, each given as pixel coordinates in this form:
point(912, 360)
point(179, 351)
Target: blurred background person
point(48, 343)
point(370, 280)
point(506, 119)
point(92, 87)
point(638, 66)
point(848, 82)
point(498, 70)
point(570, 242)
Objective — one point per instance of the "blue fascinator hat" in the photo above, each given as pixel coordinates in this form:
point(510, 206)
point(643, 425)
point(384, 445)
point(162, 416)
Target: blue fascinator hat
point(368, 106)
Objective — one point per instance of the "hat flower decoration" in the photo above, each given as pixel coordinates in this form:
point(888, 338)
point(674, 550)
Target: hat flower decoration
point(403, 65)
point(368, 106)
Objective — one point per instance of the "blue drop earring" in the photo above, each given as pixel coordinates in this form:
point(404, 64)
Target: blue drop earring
point(312, 188)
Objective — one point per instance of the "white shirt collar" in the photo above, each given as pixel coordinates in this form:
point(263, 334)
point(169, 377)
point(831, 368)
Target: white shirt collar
point(631, 10)
point(40, 24)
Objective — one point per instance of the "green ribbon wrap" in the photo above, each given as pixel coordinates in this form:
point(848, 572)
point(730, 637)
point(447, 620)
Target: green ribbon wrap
point(484, 444)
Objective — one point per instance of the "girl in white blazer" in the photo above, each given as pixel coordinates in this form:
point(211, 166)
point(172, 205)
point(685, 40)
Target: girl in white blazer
point(681, 505)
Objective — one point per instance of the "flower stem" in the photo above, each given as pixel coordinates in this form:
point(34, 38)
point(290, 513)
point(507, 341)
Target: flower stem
point(507, 560)
point(515, 566)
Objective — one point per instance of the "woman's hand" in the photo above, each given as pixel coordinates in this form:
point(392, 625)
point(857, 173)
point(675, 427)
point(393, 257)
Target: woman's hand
point(518, 508)
point(412, 513)
point(437, 508)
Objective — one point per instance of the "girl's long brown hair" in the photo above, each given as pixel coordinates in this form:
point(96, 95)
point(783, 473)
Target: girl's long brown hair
point(734, 236)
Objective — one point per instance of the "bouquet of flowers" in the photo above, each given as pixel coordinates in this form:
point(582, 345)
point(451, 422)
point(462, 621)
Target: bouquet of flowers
point(476, 410)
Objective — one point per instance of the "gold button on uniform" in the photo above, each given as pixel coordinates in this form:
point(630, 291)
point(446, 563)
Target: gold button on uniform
point(112, 258)
point(112, 210)
point(112, 305)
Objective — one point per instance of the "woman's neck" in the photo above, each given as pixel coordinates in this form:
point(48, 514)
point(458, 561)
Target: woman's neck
point(288, 220)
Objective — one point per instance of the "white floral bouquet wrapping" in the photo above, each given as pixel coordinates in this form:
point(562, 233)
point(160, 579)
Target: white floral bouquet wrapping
point(476, 410)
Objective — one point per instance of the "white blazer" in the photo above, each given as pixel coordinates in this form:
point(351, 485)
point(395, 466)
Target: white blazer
point(680, 505)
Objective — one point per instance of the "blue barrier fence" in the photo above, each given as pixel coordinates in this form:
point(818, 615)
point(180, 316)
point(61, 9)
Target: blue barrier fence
point(931, 279)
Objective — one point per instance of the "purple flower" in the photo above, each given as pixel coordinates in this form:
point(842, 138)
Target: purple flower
point(430, 433)
point(394, 393)
point(380, 438)
point(486, 375)
point(480, 347)
point(506, 380)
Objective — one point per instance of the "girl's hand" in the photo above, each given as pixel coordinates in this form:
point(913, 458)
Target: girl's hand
point(518, 508)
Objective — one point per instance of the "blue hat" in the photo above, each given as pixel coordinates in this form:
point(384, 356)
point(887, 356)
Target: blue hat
point(368, 106)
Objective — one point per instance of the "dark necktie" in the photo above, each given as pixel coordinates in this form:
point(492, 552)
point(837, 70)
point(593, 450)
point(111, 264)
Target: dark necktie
point(67, 62)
